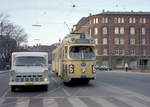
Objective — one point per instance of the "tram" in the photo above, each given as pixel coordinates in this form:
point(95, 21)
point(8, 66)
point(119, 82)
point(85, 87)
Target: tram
point(74, 58)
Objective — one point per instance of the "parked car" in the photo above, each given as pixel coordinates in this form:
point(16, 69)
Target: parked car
point(1, 66)
point(103, 68)
point(4, 65)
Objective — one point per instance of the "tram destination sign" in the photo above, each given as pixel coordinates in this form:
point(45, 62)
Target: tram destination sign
point(82, 41)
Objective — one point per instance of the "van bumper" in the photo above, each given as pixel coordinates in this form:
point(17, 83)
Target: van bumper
point(28, 83)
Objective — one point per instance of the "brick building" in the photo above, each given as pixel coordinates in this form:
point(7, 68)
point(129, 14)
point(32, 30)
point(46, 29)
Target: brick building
point(120, 37)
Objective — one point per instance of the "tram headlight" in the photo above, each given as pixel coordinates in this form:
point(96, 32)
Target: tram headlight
point(93, 69)
point(71, 68)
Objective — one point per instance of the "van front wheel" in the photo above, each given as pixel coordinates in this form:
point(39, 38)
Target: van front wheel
point(45, 87)
point(13, 88)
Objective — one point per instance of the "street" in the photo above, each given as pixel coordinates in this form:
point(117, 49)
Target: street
point(110, 89)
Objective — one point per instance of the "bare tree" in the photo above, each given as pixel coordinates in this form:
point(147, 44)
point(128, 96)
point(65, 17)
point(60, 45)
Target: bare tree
point(13, 31)
point(11, 37)
point(19, 35)
point(3, 22)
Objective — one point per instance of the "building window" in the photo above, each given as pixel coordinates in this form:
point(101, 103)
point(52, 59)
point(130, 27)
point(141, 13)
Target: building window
point(118, 20)
point(105, 20)
point(90, 22)
point(115, 20)
point(116, 51)
point(143, 41)
point(104, 30)
point(132, 52)
point(122, 30)
point(143, 31)
point(104, 41)
point(95, 30)
point(96, 20)
point(116, 30)
point(122, 20)
point(121, 41)
point(144, 52)
point(93, 20)
point(121, 52)
point(132, 41)
point(96, 41)
point(105, 52)
point(143, 20)
point(132, 20)
point(116, 41)
point(132, 30)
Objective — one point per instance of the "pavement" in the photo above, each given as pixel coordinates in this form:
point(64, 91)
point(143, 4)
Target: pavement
point(129, 71)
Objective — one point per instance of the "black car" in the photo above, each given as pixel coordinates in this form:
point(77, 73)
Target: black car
point(4, 65)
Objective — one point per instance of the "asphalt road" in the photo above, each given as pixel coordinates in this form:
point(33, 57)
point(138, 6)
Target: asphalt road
point(110, 89)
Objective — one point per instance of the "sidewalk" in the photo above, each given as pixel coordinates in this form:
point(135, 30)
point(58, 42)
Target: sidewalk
point(119, 71)
point(129, 71)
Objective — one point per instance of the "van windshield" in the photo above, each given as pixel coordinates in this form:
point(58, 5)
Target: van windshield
point(30, 61)
point(82, 52)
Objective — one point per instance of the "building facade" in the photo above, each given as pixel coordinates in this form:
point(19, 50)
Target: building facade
point(121, 37)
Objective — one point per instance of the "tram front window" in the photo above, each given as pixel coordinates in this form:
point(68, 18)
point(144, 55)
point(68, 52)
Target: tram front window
point(81, 52)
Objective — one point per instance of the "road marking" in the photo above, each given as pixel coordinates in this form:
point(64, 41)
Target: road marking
point(101, 101)
point(66, 92)
point(22, 102)
point(125, 92)
point(76, 102)
point(131, 102)
point(2, 99)
point(49, 103)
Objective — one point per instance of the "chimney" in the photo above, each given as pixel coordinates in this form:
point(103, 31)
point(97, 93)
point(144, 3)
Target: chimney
point(103, 11)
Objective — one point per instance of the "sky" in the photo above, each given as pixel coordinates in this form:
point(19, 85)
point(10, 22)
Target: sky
point(53, 15)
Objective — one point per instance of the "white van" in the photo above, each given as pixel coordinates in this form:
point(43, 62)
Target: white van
point(29, 69)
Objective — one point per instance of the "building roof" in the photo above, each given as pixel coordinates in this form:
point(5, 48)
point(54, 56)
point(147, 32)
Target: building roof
point(122, 13)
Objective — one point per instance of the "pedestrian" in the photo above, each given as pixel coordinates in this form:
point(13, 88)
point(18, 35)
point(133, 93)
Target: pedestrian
point(126, 67)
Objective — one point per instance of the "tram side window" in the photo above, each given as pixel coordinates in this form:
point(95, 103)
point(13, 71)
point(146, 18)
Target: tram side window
point(66, 51)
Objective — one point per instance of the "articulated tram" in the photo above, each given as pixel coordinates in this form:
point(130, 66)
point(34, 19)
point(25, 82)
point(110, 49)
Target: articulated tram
point(75, 58)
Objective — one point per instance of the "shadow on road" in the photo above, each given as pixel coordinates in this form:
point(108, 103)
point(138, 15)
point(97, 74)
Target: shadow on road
point(26, 89)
